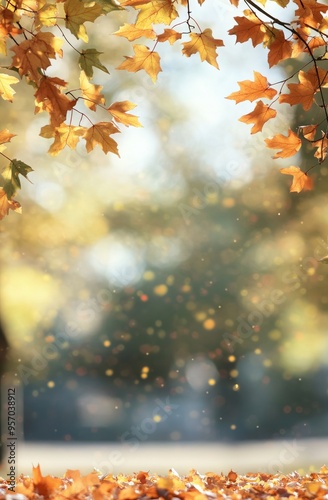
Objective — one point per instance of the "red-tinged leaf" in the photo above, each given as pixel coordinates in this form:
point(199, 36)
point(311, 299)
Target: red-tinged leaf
point(259, 116)
point(131, 32)
point(250, 91)
point(300, 93)
point(205, 44)
point(169, 35)
point(100, 135)
point(249, 27)
point(280, 49)
point(50, 98)
point(288, 145)
point(301, 181)
point(143, 59)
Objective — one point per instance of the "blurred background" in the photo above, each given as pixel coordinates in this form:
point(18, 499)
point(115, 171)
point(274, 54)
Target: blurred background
point(173, 294)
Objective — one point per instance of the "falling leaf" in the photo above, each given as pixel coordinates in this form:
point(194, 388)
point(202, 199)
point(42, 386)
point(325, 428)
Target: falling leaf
point(90, 92)
point(6, 91)
point(288, 145)
point(132, 32)
point(77, 13)
point(205, 45)
point(301, 181)
point(249, 91)
point(8, 204)
point(119, 112)
point(100, 135)
point(143, 59)
point(259, 116)
point(89, 58)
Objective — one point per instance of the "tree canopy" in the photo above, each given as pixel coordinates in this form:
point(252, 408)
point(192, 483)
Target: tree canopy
point(33, 32)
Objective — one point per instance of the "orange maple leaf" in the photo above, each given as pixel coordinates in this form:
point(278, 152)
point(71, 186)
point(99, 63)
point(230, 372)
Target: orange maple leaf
point(308, 131)
point(119, 111)
point(279, 49)
point(35, 54)
point(100, 135)
point(322, 148)
point(6, 205)
point(250, 91)
point(49, 98)
point(169, 35)
point(90, 92)
point(301, 93)
point(259, 116)
point(205, 45)
point(249, 27)
point(5, 136)
point(288, 145)
point(132, 32)
point(143, 59)
point(301, 181)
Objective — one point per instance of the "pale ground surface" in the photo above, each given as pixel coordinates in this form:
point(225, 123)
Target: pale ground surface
point(270, 456)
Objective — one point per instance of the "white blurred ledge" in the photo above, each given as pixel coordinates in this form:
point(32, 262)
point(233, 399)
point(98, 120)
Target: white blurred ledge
point(265, 456)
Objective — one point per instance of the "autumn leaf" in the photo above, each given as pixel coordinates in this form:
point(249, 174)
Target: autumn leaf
point(35, 54)
point(64, 135)
point(288, 145)
point(89, 58)
point(249, 91)
point(249, 27)
point(100, 135)
point(259, 116)
point(155, 12)
point(77, 13)
point(300, 93)
point(322, 148)
point(119, 111)
point(6, 91)
point(10, 176)
point(49, 98)
point(143, 59)
point(132, 32)
point(205, 45)
point(5, 136)
point(301, 181)
point(169, 35)
point(308, 131)
point(46, 15)
point(279, 49)
point(90, 93)
point(8, 204)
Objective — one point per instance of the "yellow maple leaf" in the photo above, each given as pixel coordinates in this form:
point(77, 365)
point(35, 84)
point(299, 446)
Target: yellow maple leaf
point(90, 92)
point(205, 45)
point(6, 205)
point(249, 91)
point(143, 59)
point(132, 32)
point(301, 181)
point(100, 135)
point(6, 91)
point(77, 13)
point(259, 116)
point(154, 12)
point(288, 145)
point(119, 111)
point(46, 15)
point(64, 135)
